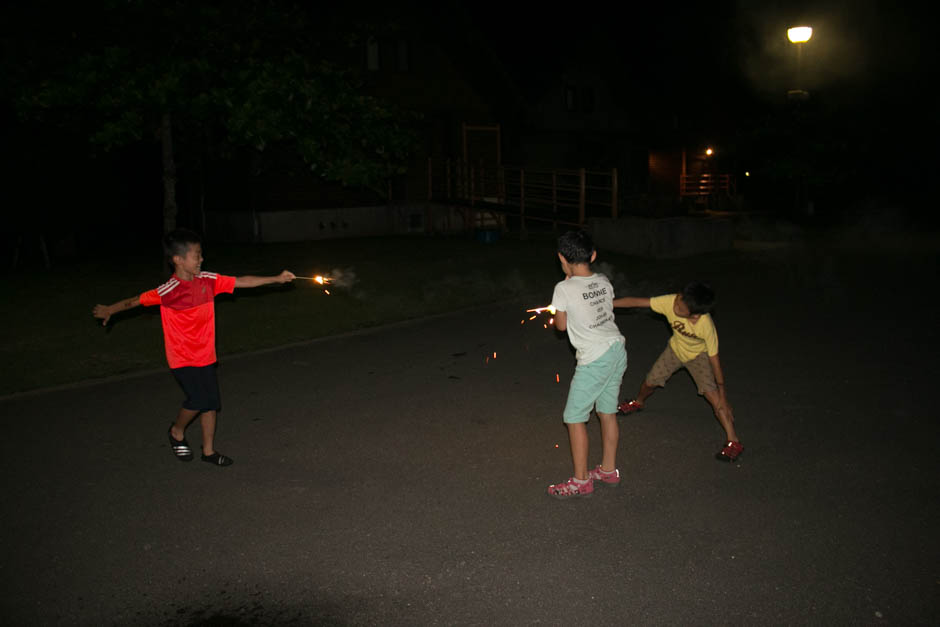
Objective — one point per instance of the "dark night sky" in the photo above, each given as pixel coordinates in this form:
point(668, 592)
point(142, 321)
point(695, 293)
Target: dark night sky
point(869, 66)
point(860, 47)
point(869, 60)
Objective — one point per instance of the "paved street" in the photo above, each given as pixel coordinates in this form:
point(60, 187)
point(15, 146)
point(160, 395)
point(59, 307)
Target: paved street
point(397, 477)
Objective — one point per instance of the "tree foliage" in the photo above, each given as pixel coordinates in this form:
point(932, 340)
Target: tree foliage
point(236, 77)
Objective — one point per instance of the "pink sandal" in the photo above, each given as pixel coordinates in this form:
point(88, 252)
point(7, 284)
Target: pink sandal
point(570, 488)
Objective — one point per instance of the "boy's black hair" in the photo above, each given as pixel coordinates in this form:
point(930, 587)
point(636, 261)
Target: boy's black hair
point(178, 241)
point(576, 246)
point(698, 297)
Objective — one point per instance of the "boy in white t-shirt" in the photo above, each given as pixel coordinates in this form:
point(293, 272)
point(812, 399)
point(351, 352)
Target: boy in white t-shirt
point(693, 346)
point(583, 305)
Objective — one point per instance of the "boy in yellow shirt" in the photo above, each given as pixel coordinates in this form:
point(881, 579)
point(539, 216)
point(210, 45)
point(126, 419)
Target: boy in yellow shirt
point(693, 346)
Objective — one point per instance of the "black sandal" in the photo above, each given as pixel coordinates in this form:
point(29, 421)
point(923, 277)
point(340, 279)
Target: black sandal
point(218, 459)
point(180, 447)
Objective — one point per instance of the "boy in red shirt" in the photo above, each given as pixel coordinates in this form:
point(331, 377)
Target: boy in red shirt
point(187, 310)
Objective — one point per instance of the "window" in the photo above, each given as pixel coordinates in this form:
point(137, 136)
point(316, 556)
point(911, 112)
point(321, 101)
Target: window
point(404, 56)
point(571, 100)
point(587, 99)
point(372, 54)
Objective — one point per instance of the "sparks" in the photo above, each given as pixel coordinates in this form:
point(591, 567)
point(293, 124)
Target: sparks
point(549, 308)
point(322, 280)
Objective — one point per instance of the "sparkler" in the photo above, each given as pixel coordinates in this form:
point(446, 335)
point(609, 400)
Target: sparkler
point(322, 280)
point(549, 308)
point(535, 312)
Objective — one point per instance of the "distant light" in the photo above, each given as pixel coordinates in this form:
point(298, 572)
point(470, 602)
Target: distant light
point(709, 152)
point(747, 174)
point(799, 34)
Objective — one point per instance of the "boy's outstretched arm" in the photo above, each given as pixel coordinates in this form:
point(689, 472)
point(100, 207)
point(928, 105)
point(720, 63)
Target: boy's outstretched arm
point(631, 301)
point(106, 311)
point(257, 281)
point(720, 380)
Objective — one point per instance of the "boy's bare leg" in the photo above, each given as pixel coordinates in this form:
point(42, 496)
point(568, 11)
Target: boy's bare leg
point(610, 438)
point(645, 392)
point(577, 434)
point(186, 416)
point(208, 432)
point(723, 415)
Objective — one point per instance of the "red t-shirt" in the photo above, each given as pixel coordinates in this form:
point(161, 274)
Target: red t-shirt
point(187, 309)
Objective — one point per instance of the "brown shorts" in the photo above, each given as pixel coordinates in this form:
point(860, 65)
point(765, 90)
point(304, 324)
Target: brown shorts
point(667, 364)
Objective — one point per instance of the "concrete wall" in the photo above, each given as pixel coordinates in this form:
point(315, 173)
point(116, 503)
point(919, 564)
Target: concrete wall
point(663, 238)
point(315, 224)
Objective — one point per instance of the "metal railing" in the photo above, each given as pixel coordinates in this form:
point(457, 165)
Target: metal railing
point(705, 184)
point(559, 196)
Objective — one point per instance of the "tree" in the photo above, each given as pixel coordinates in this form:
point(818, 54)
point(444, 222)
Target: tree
point(211, 78)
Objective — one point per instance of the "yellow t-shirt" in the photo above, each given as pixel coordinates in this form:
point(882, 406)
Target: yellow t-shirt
point(688, 340)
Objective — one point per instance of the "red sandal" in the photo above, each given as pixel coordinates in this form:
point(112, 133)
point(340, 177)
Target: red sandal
point(628, 407)
point(730, 452)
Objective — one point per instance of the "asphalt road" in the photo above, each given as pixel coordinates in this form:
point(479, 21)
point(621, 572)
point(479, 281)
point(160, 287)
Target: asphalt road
point(397, 477)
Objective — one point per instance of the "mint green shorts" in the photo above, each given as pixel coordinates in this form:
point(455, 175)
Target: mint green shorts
point(596, 385)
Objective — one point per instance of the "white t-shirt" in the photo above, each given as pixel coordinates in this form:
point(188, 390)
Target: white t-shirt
point(588, 302)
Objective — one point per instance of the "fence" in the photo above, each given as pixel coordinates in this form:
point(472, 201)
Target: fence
point(490, 193)
point(701, 185)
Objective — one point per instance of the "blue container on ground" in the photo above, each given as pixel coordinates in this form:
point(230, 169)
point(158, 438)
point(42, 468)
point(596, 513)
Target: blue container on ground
point(487, 236)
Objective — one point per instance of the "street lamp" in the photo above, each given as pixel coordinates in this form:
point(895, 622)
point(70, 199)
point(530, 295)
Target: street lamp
point(799, 35)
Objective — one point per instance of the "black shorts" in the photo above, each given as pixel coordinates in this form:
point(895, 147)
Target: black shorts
point(201, 385)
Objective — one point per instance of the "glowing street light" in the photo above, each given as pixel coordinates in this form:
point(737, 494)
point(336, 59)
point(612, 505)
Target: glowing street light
point(799, 35)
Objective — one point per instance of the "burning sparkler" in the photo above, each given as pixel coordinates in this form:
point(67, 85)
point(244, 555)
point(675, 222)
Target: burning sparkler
point(322, 280)
point(549, 308)
point(535, 312)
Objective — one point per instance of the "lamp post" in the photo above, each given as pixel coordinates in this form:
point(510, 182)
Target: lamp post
point(799, 35)
point(709, 177)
